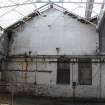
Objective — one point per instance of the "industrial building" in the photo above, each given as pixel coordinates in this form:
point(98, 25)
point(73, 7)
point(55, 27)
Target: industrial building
point(53, 51)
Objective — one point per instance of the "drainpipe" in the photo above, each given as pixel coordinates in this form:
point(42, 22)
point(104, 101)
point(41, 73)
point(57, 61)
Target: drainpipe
point(100, 80)
point(73, 82)
point(36, 69)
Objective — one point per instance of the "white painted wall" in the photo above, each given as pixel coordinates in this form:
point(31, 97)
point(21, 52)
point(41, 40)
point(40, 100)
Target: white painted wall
point(46, 82)
point(66, 33)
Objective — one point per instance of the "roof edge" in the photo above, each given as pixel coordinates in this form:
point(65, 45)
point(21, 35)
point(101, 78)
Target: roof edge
point(28, 17)
point(42, 9)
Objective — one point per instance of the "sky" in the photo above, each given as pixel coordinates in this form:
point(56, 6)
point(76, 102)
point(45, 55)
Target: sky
point(10, 15)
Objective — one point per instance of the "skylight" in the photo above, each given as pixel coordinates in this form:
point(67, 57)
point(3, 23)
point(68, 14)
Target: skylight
point(13, 10)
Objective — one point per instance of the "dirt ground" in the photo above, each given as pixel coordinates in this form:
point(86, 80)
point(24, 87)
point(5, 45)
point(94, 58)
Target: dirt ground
point(30, 100)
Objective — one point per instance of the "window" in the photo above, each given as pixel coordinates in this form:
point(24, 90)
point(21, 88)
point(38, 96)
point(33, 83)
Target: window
point(63, 71)
point(85, 71)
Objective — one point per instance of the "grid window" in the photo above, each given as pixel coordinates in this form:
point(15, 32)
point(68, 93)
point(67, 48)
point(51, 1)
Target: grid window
point(63, 71)
point(85, 71)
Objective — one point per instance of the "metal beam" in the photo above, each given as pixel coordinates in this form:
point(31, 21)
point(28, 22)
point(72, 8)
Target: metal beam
point(103, 4)
point(47, 2)
point(71, 12)
point(89, 8)
point(54, 56)
point(17, 70)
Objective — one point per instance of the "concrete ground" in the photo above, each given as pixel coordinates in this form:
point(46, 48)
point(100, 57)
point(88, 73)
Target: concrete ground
point(30, 100)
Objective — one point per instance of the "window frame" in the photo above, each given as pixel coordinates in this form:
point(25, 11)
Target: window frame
point(85, 62)
point(66, 62)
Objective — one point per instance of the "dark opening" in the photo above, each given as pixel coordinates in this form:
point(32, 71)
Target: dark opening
point(9, 34)
point(63, 71)
point(85, 71)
